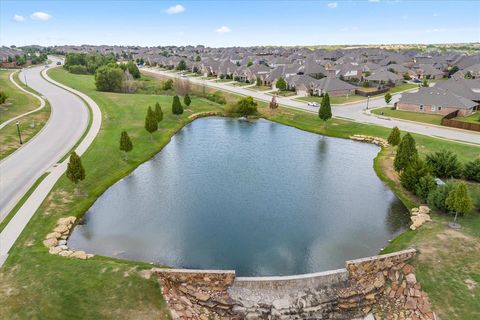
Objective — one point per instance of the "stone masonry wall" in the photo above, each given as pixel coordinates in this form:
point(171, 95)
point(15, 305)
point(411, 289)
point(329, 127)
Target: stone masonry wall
point(384, 286)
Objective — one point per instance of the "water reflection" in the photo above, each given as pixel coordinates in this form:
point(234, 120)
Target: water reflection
point(254, 196)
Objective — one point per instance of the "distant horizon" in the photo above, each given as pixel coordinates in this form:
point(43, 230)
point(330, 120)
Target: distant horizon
point(245, 24)
point(266, 45)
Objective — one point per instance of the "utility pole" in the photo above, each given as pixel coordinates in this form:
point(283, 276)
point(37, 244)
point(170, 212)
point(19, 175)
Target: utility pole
point(19, 134)
point(368, 100)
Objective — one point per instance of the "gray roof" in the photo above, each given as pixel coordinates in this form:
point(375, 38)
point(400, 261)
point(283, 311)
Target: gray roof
point(469, 89)
point(383, 75)
point(333, 84)
point(436, 97)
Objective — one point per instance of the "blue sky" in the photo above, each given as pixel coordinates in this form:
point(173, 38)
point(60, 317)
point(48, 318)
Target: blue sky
point(238, 23)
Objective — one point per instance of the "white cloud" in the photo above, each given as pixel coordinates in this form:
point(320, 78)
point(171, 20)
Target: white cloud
point(436, 14)
point(178, 8)
point(223, 29)
point(39, 15)
point(18, 18)
point(332, 5)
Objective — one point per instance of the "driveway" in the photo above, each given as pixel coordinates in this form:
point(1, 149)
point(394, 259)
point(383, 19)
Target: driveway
point(354, 111)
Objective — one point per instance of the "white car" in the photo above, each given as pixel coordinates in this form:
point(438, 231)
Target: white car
point(312, 104)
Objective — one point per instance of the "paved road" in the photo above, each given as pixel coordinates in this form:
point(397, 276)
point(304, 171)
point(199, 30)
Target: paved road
point(67, 123)
point(354, 111)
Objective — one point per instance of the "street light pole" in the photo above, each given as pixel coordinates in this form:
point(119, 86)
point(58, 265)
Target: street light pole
point(368, 100)
point(19, 134)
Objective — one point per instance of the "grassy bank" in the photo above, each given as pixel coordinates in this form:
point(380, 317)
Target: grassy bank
point(39, 285)
point(19, 102)
point(408, 115)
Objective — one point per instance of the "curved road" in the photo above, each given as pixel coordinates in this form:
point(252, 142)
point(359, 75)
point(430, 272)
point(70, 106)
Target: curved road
point(68, 121)
point(353, 111)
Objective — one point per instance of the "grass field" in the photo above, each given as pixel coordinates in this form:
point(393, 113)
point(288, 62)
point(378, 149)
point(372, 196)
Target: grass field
point(334, 99)
point(402, 87)
point(260, 88)
point(474, 118)
point(38, 285)
point(407, 115)
point(19, 102)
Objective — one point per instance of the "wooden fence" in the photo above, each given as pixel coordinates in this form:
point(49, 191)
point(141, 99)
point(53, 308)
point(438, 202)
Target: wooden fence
point(449, 121)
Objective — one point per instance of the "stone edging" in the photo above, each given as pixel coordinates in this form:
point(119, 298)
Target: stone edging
point(370, 139)
point(56, 241)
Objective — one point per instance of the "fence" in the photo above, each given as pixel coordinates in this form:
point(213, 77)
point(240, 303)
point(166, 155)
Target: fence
point(449, 121)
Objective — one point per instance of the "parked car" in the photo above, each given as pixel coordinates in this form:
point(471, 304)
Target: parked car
point(313, 104)
point(59, 63)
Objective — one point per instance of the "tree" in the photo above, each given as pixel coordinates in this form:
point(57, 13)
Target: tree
point(425, 186)
point(198, 58)
point(259, 82)
point(133, 69)
point(406, 153)
point(125, 143)
point(394, 137)
point(471, 171)
point(406, 76)
point(444, 164)
point(151, 124)
point(459, 201)
point(109, 78)
point(75, 171)
point(325, 111)
point(177, 107)
point(452, 70)
point(187, 100)
point(246, 106)
point(273, 104)
point(388, 97)
point(182, 65)
point(168, 85)
point(249, 63)
point(437, 197)
point(425, 83)
point(281, 84)
point(3, 97)
point(158, 112)
point(411, 175)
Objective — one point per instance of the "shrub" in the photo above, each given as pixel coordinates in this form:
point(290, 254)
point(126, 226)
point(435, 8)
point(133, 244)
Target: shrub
point(410, 176)
point(168, 85)
point(177, 107)
point(246, 106)
point(444, 164)
point(471, 171)
point(3, 97)
point(458, 200)
point(425, 186)
point(281, 84)
point(216, 97)
point(109, 78)
point(436, 198)
point(78, 69)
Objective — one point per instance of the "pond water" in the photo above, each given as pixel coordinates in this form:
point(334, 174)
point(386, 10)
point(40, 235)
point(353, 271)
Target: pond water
point(254, 196)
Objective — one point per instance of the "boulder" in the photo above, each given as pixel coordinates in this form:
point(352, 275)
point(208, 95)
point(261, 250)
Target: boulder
point(411, 279)
point(66, 220)
point(62, 242)
point(54, 250)
point(52, 242)
point(54, 235)
point(79, 255)
point(65, 253)
point(61, 228)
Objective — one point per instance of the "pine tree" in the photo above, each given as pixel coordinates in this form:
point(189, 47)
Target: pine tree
point(459, 201)
point(75, 171)
point(151, 124)
point(406, 153)
point(125, 143)
point(187, 100)
point(158, 112)
point(394, 137)
point(177, 106)
point(325, 111)
point(388, 97)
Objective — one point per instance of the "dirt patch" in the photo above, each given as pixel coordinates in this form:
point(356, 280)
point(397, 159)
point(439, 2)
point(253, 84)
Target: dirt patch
point(471, 285)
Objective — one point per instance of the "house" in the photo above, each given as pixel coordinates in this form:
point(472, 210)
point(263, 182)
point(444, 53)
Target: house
point(302, 84)
point(466, 88)
point(333, 86)
point(384, 76)
point(427, 71)
point(436, 101)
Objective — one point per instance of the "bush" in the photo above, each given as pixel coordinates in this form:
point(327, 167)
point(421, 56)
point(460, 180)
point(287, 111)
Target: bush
point(216, 97)
point(168, 85)
point(471, 171)
point(3, 97)
point(425, 186)
point(78, 69)
point(410, 177)
point(444, 164)
point(438, 196)
point(109, 78)
point(245, 106)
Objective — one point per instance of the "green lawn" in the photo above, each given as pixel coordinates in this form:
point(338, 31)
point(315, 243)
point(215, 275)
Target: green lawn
point(223, 80)
point(407, 115)
point(285, 93)
point(474, 118)
point(239, 84)
point(19, 102)
point(260, 88)
point(334, 99)
point(39, 285)
point(402, 87)
point(103, 288)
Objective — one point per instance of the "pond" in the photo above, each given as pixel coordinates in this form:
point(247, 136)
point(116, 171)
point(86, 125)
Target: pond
point(254, 196)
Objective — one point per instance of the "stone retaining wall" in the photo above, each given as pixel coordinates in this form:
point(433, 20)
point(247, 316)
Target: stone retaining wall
point(384, 285)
